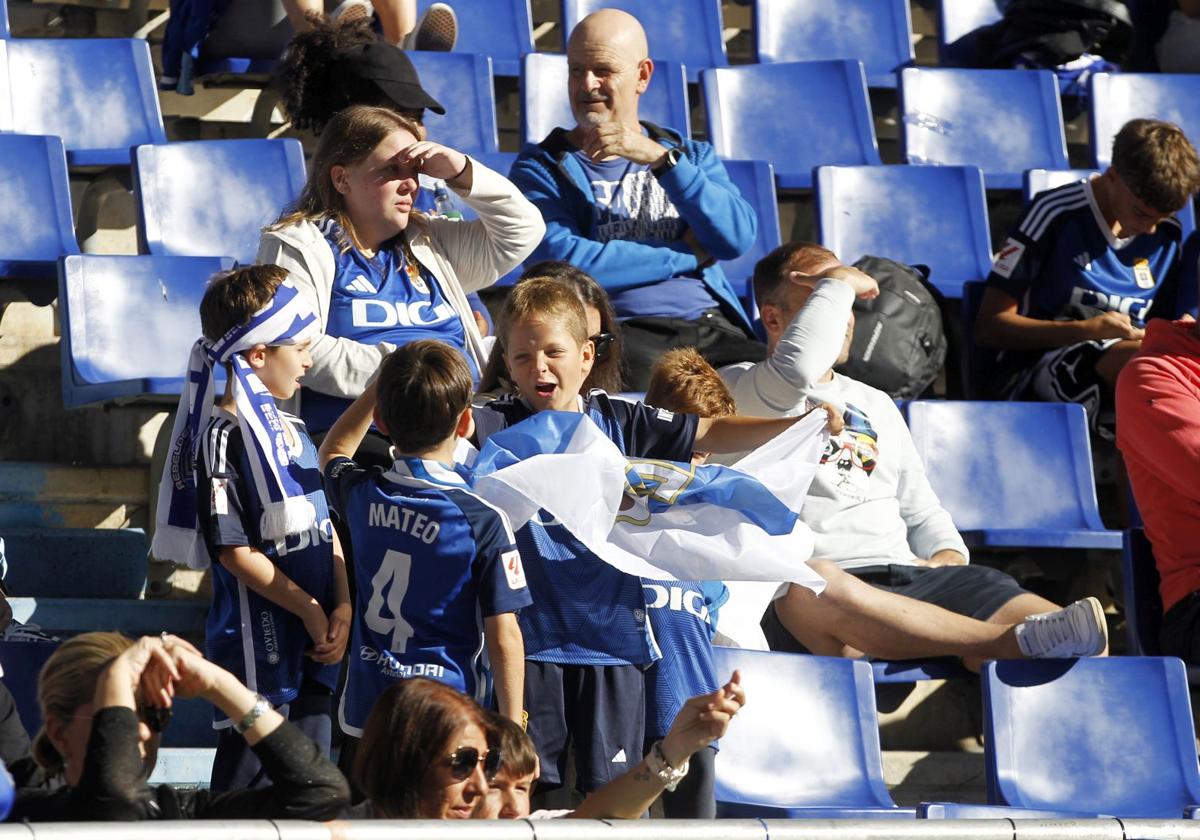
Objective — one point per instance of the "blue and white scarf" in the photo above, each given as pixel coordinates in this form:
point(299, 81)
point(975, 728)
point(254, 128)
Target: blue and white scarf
point(287, 319)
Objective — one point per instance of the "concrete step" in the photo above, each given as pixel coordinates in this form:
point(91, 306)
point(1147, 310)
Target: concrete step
point(49, 495)
point(76, 562)
point(915, 776)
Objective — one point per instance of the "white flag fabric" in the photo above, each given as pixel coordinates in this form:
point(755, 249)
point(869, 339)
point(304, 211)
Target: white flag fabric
point(660, 519)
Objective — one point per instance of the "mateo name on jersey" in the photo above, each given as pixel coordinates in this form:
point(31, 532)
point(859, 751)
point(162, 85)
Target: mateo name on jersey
point(386, 313)
point(382, 515)
point(1135, 308)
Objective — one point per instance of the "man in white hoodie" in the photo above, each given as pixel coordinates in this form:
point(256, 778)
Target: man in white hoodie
point(870, 507)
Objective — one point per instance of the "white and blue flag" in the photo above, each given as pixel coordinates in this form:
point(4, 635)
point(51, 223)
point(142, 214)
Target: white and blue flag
point(660, 519)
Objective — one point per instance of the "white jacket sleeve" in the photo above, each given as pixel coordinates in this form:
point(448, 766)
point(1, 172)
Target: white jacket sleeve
point(341, 366)
point(930, 528)
point(807, 349)
point(508, 229)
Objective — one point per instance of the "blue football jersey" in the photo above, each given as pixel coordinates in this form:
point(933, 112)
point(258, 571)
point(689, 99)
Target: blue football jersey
point(1062, 262)
point(682, 614)
point(585, 612)
point(253, 638)
point(376, 299)
point(431, 561)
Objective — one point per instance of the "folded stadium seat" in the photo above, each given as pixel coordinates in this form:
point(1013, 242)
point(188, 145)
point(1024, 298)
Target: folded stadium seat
point(807, 742)
point(75, 562)
point(921, 215)
point(1003, 121)
point(958, 20)
point(22, 661)
point(97, 94)
point(502, 29)
point(796, 115)
point(72, 616)
point(1117, 98)
point(1012, 474)
point(545, 105)
point(1100, 736)
point(685, 31)
point(463, 84)
point(36, 227)
point(756, 182)
point(879, 34)
point(101, 297)
point(210, 198)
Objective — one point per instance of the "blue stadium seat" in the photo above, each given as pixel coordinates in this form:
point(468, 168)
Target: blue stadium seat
point(916, 670)
point(1101, 736)
point(876, 32)
point(1039, 180)
point(544, 102)
point(796, 115)
point(756, 182)
point(1003, 121)
point(1117, 98)
point(128, 324)
point(685, 31)
point(1012, 475)
point(97, 94)
point(502, 29)
point(972, 811)
point(957, 21)
point(76, 562)
point(36, 227)
point(921, 215)
point(22, 662)
point(211, 198)
point(5, 30)
point(807, 742)
point(71, 616)
point(463, 84)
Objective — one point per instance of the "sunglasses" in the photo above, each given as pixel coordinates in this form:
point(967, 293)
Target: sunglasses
point(602, 341)
point(464, 759)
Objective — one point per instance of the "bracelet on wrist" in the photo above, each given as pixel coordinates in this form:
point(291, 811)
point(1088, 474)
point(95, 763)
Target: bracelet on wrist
point(657, 762)
point(261, 707)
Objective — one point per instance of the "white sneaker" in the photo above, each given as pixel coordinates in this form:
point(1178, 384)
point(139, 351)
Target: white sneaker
point(351, 10)
point(1077, 630)
point(436, 30)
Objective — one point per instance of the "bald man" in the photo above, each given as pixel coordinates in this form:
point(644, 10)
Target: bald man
point(644, 210)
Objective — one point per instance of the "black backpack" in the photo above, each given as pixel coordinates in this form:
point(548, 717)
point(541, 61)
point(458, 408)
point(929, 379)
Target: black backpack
point(1048, 33)
point(899, 343)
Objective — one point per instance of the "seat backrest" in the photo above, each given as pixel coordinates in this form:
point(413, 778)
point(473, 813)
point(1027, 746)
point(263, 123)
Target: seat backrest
point(128, 323)
point(1117, 98)
point(1008, 465)
point(462, 83)
point(1003, 121)
point(808, 734)
point(795, 115)
point(22, 662)
point(876, 32)
point(1039, 180)
point(920, 215)
point(97, 94)
point(545, 106)
point(957, 20)
point(1143, 602)
point(35, 202)
point(756, 182)
point(502, 29)
point(211, 198)
point(1109, 736)
point(685, 31)
point(5, 30)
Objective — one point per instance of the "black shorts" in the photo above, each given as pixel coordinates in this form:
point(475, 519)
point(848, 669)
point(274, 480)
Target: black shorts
point(600, 708)
point(1068, 374)
point(974, 591)
point(1180, 631)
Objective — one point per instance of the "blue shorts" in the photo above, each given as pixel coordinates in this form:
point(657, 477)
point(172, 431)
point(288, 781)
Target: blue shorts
point(599, 709)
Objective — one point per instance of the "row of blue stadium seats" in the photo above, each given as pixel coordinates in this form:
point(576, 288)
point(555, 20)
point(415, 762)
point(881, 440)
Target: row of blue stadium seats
point(1004, 121)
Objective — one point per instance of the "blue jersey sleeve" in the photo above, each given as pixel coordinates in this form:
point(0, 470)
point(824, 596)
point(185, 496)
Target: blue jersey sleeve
point(341, 474)
point(497, 567)
point(220, 495)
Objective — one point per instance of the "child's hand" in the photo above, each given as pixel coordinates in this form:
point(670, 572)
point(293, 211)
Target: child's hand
point(334, 647)
point(317, 625)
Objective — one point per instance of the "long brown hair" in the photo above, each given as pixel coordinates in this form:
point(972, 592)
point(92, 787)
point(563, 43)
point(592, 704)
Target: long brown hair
point(407, 731)
point(348, 138)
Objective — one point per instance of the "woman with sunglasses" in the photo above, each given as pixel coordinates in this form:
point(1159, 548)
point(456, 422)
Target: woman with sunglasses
point(425, 753)
point(106, 698)
point(602, 327)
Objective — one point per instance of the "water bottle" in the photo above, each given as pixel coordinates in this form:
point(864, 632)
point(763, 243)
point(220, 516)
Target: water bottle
point(443, 202)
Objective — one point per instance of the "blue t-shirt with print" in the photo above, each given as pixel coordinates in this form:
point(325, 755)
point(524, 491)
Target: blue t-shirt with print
point(630, 205)
point(375, 299)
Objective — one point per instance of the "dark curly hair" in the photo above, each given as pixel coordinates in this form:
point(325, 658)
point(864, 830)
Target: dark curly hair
point(313, 85)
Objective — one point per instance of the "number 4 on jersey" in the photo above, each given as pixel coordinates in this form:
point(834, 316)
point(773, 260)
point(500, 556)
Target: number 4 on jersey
point(392, 575)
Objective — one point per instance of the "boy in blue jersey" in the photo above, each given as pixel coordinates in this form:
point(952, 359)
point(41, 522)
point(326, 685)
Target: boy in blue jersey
point(1072, 286)
point(438, 578)
point(280, 615)
point(587, 637)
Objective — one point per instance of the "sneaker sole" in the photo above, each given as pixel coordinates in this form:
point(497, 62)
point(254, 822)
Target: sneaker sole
point(1101, 622)
point(437, 31)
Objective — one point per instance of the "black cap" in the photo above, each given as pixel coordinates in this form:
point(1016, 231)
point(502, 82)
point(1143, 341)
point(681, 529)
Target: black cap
point(390, 69)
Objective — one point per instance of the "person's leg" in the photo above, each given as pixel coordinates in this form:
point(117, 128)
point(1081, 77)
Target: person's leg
point(607, 719)
point(312, 713)
point(695, 797)
point(1180, 632)
point(435, 30)
point(547, 728)
point(396, 17)
point(298, 11)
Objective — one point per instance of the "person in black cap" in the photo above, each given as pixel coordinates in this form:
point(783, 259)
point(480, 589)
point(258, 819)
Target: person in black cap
point(339, 63)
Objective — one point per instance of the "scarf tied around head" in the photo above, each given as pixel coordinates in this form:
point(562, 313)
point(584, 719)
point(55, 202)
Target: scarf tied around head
point(287, 319)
